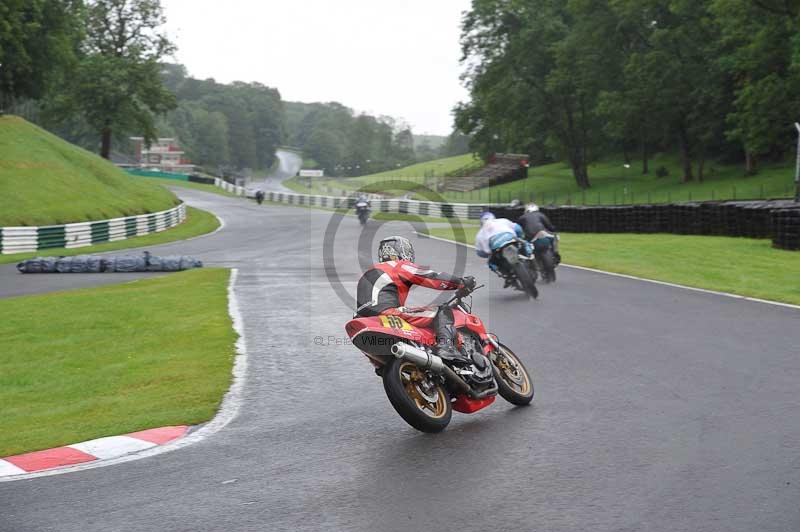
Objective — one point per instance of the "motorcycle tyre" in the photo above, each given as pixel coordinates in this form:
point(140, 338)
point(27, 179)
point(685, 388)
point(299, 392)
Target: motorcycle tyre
point(524, 277)
point(407, 407)
point(548, 266)
point(507, 392)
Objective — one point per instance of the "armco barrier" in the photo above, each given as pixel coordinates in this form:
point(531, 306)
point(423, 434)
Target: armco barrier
point(24, 239)
point(233, 189)
point(777, 219)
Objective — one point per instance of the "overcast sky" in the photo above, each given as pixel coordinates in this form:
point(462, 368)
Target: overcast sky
point(384, 57)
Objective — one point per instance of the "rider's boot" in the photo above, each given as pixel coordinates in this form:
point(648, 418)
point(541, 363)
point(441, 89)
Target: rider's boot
point(444, 327)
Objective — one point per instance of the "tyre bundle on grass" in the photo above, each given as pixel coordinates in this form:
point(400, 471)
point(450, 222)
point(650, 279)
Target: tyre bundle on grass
point(109, 264)
point(786, 226)
point(775, 219)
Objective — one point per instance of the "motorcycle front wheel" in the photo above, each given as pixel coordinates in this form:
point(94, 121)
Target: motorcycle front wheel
point(421, 402)
point(514, 383)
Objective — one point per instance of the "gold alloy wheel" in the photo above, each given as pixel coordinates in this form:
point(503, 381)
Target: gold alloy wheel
point(512, 372)
point(426, 395)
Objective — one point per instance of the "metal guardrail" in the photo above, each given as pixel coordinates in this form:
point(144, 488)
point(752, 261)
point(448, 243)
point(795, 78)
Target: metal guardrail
point(778, 220)
point(26, 239)
point(379, 203)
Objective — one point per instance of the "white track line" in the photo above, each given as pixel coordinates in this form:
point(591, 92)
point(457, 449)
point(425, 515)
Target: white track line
point(231, 403)
point(625, 276)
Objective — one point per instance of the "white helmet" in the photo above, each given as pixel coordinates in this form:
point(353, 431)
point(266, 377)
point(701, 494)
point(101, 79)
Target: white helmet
point(531, 207)
point(487, 216)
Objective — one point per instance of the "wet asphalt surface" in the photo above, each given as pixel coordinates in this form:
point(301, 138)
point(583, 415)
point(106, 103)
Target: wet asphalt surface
point(656, 409)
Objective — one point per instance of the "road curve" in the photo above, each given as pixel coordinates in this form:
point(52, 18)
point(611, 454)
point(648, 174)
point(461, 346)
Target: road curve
point(657, 409)
point(289, 163)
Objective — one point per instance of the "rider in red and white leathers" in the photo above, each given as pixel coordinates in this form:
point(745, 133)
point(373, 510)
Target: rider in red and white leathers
point(383, 290)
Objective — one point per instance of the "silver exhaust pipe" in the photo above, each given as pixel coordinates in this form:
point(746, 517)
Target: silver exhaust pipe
point(426, 361)
point(418, 356)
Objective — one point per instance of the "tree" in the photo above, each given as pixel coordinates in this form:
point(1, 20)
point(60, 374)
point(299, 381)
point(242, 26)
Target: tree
point(758, 57)
point(456, 144)
point(534, 79)
point(117, 85)
point(38, 39)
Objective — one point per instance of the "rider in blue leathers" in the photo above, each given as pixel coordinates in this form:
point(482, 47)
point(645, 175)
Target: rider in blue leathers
point(496, 233)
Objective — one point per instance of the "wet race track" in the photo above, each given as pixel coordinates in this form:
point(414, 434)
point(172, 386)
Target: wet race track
point(656, 408)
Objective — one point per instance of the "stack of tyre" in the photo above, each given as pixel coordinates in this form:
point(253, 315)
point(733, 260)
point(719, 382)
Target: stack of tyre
point(786, 228)
point(108, 264)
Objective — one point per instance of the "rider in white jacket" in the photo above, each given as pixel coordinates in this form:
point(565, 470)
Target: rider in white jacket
point(494, 234)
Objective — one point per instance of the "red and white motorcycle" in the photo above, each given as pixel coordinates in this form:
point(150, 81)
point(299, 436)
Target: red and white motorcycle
point(424, 388)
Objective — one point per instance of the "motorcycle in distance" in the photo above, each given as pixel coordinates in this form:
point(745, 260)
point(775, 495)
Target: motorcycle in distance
point(517, 269)
point(362, 211)
point(544, 250)
point(259, 196)
point(424, 388)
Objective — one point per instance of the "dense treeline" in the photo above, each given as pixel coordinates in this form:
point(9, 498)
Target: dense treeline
point(574, 80)
point(348, 144)
point(237, 125)
point(85, 66)
point(94, 72)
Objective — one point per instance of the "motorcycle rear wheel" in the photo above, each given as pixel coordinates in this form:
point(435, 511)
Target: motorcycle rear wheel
point(524, 277)
point(548, 266)
point(514, 383)
point(422, 403)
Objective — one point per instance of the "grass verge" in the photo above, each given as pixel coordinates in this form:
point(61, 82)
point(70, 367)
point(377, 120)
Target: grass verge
point(104, 361)
point(742, 266)
point(198, 222)
point(47, 181)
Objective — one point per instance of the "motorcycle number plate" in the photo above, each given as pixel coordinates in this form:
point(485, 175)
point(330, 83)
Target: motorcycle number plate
point(395, 322)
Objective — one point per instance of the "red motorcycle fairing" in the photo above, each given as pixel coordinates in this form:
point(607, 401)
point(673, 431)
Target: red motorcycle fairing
point(375, 336)
point(467, 405)
point(358, 329)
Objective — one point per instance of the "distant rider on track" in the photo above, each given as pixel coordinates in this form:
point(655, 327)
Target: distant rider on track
point(383, 289)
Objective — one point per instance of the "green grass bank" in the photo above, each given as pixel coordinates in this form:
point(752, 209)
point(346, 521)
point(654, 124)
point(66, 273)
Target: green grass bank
point(104, 361)
point(47, 181)
point(742, 266)
point(612, 182)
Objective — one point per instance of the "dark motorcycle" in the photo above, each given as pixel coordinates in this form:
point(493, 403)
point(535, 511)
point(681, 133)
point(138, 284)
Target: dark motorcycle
point(424, 388)
point(517, 269)
point(259, 197)
point(362, 211)
point(546, 256)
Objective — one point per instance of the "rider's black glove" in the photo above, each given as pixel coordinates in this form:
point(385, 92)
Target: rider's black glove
point(468, 283)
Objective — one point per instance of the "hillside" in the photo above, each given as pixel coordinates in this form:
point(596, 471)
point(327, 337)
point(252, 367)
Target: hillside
point(45, 180)
point(613, 183)
point(415, 173)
